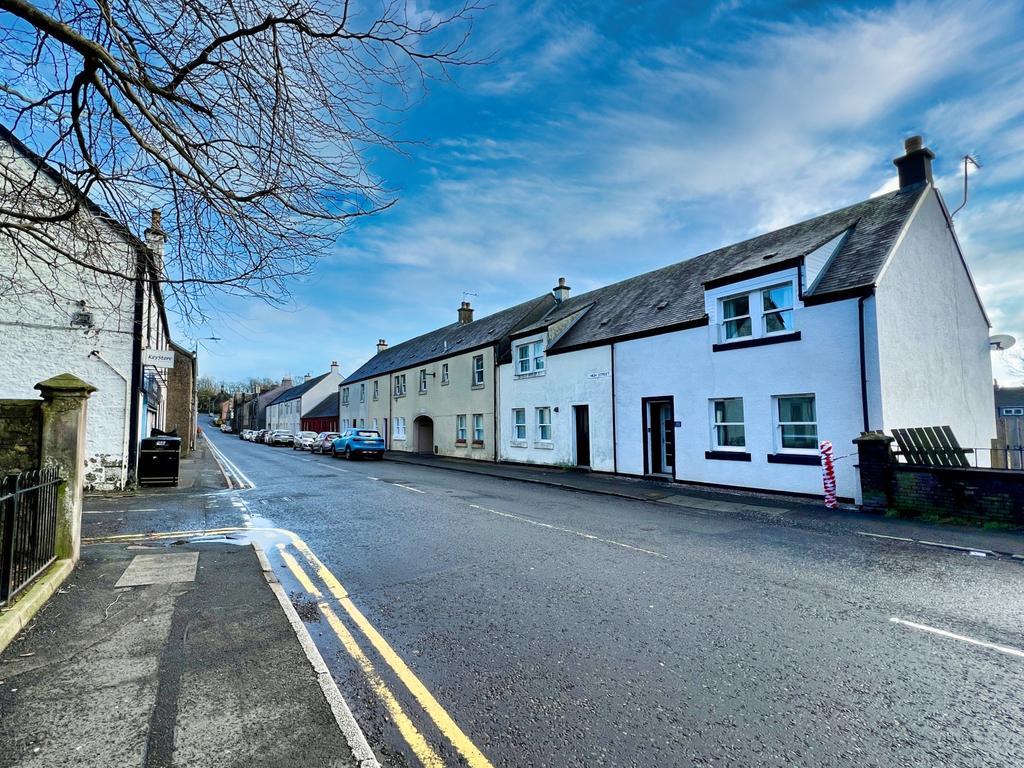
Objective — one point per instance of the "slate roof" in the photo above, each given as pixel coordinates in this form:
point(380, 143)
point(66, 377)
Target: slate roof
point(325, 408)
point(299, 390)
point(673, 296)
point(453, 339)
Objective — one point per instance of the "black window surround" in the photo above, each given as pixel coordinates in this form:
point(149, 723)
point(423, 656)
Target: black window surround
point(808, 459)
point(727, 455)
point(758, 342)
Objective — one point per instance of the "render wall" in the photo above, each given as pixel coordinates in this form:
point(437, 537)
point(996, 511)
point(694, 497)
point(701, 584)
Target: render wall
point(568, 379)
point(933, 350)
point(824, 362)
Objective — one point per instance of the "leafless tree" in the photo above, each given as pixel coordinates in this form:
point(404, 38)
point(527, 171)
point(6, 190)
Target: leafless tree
point(249, 122)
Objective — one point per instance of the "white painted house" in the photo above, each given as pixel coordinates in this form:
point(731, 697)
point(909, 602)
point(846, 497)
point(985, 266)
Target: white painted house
point(286, 410)
point(731, 367)
point(109, 330)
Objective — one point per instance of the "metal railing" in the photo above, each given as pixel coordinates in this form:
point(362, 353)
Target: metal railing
point(28, 527)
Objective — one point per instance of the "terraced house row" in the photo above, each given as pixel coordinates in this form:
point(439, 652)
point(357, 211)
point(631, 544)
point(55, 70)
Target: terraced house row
point(726, 369)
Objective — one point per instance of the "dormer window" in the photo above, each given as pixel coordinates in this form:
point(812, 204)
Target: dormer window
point(763, 312)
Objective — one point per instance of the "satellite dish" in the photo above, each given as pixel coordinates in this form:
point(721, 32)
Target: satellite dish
point(1001, 342)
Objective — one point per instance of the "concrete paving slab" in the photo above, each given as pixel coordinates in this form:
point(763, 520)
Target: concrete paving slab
point(160, 569)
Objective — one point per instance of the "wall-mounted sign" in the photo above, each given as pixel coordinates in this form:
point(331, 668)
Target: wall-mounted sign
point(598, 374)
point(158, 358)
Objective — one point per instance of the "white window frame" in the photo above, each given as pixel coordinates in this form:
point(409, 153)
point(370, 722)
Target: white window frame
point(423, 381)
point(478, 372)
point(1012, 410)
point(715, 424)
point(398, 428)
point(362, 392)
point(344, 396)
point(540, 424)
point(400, 385)
point(778, 424)
point(756, 312)
point(461, 432)
point(519, 428)
point(444, 373)
point(478, 429)
point(532, 354)
point(376, 390)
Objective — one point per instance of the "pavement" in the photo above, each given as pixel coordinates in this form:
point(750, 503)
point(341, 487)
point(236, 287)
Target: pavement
point(172, 652)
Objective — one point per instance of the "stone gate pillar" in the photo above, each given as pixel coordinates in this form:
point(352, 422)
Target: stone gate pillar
point(63, 443)
point(874, 459)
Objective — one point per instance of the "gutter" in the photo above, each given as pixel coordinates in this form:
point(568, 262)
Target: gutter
point(136, 383)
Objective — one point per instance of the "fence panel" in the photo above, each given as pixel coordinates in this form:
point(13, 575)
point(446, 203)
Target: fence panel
point(28, 527)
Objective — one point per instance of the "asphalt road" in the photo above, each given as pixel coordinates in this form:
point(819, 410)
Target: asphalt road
point(568, 629)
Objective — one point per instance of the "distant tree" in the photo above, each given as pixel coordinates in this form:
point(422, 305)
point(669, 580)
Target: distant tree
point(1014, 362)
point(248, 122)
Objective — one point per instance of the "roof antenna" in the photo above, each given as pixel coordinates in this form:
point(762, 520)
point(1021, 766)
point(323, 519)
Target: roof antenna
point(467, 294)
point(976, 164)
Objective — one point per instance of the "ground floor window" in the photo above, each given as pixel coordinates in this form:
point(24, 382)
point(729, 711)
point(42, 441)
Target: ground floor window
point(519, 423)
point(478, 427)
point(460, 428)
point(728, 432)
point(399, 426)
point(544, 423)
point(798, 422)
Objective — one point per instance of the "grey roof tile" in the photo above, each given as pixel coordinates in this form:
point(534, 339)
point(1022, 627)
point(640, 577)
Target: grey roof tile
point(325, 408)
point(299, 390)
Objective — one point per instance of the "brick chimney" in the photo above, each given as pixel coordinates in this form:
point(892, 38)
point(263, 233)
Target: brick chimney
point(561, 290)
point(381, 345)
point(155, 240)
point(915, 165)
point(465, 313)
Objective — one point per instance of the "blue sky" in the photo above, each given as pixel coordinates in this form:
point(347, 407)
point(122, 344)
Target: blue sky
point(606, 139)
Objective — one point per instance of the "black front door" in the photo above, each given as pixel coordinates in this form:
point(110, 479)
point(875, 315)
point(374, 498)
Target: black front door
point(582, 414)
point(661, 434)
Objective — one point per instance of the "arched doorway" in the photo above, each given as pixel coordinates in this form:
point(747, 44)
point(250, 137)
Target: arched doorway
point(424, 427)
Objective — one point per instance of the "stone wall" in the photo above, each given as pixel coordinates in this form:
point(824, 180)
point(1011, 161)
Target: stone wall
point(180, 399)
point(20, 435)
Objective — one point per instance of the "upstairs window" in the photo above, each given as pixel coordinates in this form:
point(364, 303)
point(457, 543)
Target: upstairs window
point(798, 423)
point(423, 380)
point(444, 373)
point(763, 312)
point(376, 390)
point(400, 385)
point(530, 357)
point(344, 396)
point(362, 393)
point(478, 371)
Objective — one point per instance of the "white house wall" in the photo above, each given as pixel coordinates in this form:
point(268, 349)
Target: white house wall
point(571, 378)
point(933, 337)
point(824, 362)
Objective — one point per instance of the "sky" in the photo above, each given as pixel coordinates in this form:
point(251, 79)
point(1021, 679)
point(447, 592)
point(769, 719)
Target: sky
point(606, 139)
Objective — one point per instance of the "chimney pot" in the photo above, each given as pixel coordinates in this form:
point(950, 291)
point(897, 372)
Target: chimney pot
point(381, 345)
point(154, 219)
point(561, 291)
point(915, 165)
point(465, 313)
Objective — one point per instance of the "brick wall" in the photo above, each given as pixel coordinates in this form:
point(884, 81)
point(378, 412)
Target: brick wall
point(986, 495)
point(20, 435)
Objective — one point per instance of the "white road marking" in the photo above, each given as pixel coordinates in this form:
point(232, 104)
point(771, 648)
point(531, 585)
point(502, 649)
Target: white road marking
point(962, 638)
point(114, 511)
point(883, 536)
point(407, 487)
point(373, 478)
point(581, 534)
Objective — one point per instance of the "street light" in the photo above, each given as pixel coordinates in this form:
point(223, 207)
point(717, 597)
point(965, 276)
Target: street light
point(195, 371)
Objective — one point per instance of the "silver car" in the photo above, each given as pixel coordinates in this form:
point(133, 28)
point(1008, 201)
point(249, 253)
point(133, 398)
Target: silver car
point(304, 441)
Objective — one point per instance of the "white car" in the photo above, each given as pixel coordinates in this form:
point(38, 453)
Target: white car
point(303, 441)
point(225, 427)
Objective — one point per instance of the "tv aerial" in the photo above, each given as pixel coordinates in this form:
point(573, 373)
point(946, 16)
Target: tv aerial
point(1001, 342)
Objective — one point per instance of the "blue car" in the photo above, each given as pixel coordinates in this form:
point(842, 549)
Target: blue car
point(356, 442)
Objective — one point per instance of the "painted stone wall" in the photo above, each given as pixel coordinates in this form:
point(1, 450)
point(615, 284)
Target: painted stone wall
point(20, 422)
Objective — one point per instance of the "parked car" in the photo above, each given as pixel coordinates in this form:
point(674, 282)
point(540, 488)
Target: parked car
point(303, 441)
point(226, 428)
point(244, 434)
point(280, 437)
point(358, 442)
point(323, 442)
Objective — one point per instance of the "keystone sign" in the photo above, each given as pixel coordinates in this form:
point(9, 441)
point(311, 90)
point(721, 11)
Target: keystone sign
point(158, 358)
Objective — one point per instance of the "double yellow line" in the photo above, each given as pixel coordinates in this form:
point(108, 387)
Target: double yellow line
point(417, 742)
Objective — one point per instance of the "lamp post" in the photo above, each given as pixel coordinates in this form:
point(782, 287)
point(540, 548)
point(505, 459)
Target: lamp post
point(195, 373)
